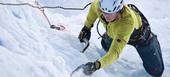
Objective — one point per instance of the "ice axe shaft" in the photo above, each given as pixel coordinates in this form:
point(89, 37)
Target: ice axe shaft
point(86, 45)
point(78, 68)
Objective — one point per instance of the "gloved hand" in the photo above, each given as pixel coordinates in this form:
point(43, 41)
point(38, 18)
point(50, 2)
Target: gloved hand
point(84, 34)
point(91, 67)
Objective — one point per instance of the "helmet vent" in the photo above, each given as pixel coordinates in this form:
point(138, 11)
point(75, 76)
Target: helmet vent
point(114, 3)
point(121, 2)
point(109, 10)
point(102, 8)
point(118, 7)
point(114, 9)
point(105, 8)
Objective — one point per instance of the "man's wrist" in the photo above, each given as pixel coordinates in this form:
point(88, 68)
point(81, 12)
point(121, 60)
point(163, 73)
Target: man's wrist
point(97, 65)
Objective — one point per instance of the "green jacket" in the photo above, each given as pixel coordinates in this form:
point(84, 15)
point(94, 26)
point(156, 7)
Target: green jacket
point(119, 30)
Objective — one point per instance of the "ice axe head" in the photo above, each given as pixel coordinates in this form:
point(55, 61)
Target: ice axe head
point(86, 45)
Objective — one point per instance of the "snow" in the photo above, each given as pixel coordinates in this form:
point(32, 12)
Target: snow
point(29, 48)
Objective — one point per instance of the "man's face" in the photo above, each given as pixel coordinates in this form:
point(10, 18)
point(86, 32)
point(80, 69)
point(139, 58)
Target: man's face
point(110, 16)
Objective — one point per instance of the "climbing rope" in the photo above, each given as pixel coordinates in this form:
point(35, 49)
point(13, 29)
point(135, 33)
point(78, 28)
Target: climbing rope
point(41, 8)
point(68, 8)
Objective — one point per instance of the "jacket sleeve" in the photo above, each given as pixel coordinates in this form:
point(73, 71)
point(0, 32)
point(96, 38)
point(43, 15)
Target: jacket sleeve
point(118, 43)
point(91, 16)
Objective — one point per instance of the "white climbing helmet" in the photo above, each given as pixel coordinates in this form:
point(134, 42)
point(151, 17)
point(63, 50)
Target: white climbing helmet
point(111, 6)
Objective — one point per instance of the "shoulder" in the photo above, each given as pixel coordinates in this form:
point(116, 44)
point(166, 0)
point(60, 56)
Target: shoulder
point(126, 23)
point(126, 19)
point(129, 15)
point(95, 5)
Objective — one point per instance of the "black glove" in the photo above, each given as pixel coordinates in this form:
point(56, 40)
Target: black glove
point(91, 67)
point(84, 34)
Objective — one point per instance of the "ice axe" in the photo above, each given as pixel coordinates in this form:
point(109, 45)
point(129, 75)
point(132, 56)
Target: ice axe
point(86, 45)
point(77, 69)
point(82, 69)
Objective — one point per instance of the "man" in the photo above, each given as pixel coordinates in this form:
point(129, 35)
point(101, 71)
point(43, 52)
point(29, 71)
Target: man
point(124, 24)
